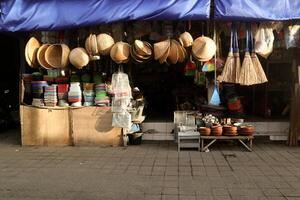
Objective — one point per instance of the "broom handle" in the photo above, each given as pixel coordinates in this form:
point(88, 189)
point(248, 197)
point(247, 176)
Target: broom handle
point(231, 39)
point(235, 38)
point(251, 49)
point(247, 38)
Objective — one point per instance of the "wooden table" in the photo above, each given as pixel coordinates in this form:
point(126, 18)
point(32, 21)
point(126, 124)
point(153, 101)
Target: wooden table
point(242, 139)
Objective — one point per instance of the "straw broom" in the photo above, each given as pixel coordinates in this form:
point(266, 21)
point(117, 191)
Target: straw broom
point(247, 73)
point(228, 70)
point(260, 73)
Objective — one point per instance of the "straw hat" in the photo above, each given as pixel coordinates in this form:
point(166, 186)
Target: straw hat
point(104, 43)
point(186, 39)
point(173, 54)
point(41, 56)
point(30, 52)
point(120, 52)
point(182, 54)
point(161, 48)
point(142, 48)
point(57, 55)
point(92, 47)
point(78, 57)
point(204, 48)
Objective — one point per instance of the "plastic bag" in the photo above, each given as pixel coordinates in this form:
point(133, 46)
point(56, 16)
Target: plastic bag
point(122, 120)
point(292, 36)
point(120, 104)
point(120, 85)
point(264, 39)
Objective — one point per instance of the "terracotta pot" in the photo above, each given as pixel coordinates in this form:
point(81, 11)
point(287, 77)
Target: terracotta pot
point(247, 130)
point(204, 131)
point(228, 128)
point(216, 130)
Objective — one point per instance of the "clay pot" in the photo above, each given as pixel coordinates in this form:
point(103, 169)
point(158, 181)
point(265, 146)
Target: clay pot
point(247, 130)
point(228, 128)
point(216, 130)
point(204, 131)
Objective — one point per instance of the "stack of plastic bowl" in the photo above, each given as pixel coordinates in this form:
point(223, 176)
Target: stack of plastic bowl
point(37, 102)
point(74, 95)
point(37, 89)
point(50, 96)
point(88, 94)
point(62, 91)
point(101, 98)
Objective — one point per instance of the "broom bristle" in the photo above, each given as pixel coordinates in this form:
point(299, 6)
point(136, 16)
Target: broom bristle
point(228, 70)
point(248, 74)
point(261, 76)
point(237, 62)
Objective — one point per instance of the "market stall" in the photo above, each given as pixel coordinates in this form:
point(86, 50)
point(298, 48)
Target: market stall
point(99, 79)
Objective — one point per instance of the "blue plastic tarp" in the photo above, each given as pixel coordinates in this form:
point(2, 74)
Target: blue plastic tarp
point(257, 10)
point(32, 15)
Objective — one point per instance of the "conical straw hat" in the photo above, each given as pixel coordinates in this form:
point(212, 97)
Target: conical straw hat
point(160, 49)
point(204, 48)
point(120, 52)
point(142, 48)
point(41, 56)
point(173, 54)
point(31, 51)
point(91, 44)
point(57, 55)
point(186, 39)
point(78, 57)
point(164, 57)
point(105, 43)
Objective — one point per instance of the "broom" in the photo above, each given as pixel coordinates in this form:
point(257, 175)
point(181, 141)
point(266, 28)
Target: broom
point(248, 73)
point(236, 55)
point(228, 70)
point(260, 73)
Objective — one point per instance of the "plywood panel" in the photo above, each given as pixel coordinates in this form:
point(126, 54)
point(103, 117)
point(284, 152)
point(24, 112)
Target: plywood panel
point(92, 126)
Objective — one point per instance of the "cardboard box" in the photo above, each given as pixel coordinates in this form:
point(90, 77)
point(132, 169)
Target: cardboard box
point(42, 126)
point(92, 126)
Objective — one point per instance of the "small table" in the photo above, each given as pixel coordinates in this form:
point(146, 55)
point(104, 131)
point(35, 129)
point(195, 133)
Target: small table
point(188, 140)
point(213, 139)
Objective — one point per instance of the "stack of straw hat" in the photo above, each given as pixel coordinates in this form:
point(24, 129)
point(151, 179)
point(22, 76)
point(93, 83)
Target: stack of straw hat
point(74, 95)
point(50, 96)
point(79, 58)
point(91, 47)
point(141, 51)
point(88, 94)
point(104, 43)
point(120, 52)
point(31, 49)
point(62, 91)
point(169, 51)
point(101, 98)
point(203, 48)
point(57, 55)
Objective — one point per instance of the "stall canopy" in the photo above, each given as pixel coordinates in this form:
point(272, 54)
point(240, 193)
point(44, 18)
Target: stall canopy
point(32, 15)
point(257, 10)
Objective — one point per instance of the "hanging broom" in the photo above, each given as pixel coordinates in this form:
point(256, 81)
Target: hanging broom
point(260, 73)
point(248, 73)
point(236, 55)
point(228, 70)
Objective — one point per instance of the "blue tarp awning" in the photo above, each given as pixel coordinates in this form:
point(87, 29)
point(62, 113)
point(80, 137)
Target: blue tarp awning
point(33, 15)
point(257, 10)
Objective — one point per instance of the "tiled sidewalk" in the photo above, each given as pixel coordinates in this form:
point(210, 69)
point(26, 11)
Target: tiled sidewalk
point(153, 170)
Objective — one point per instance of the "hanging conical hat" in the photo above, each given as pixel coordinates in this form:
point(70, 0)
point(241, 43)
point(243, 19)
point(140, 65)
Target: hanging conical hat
point(142, 48)
point(204, 48)
point(41, 56)
point(78, 57)
point(105, 43)
point(30, 52)
point(57, 55)
point(160, 49)
point(91, 44)
point(173, 54)
point(120, 52)
point(186, 39)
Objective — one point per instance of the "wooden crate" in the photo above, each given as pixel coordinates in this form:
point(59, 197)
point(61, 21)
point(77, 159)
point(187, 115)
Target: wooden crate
point(91, 126)
point(44, 126)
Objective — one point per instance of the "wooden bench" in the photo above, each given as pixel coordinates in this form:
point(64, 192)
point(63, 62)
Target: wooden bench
point(242, 139)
